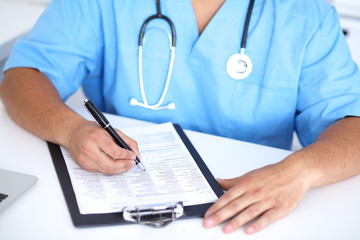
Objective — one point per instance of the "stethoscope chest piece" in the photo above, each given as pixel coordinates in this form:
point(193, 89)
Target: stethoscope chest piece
point(239, 66)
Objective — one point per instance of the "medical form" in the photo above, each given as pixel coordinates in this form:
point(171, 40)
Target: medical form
point(171, 175)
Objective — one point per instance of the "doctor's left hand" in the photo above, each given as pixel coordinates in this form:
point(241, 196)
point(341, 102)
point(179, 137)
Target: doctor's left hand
point(261, 197)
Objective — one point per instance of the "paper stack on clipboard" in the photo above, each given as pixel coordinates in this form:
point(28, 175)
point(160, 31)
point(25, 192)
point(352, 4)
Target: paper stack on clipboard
point(175, 175)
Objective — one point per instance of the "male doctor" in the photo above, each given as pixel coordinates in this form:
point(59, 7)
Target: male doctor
point(302, 79)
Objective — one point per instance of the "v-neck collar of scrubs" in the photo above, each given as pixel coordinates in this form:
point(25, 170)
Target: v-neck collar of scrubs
point(221, 26)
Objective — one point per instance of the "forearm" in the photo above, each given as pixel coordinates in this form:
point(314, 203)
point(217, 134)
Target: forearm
point(334, 156)
point(267, 194)
point(33, 102)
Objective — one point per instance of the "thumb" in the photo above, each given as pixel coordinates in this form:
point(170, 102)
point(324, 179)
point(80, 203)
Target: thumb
point(226, 184)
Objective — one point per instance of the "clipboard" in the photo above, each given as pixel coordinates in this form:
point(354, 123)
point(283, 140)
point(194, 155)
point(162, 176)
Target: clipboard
point(83, 220)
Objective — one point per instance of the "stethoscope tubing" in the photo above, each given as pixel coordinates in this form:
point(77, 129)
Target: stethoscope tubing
point(233, 72)
point(172, 44)
point(246, 25)
point(167, 83)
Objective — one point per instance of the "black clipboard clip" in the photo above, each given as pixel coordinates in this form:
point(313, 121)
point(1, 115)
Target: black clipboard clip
point(155, 216)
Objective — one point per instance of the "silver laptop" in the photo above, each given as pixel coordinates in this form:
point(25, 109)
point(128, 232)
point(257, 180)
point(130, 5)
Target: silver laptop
point(12, 185)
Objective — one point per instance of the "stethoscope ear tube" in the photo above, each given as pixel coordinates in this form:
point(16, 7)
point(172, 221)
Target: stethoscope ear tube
point(159, 16)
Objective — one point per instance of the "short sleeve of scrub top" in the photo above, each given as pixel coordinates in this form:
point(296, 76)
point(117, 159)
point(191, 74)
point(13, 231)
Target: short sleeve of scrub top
point(329, 82)
point(61, 45)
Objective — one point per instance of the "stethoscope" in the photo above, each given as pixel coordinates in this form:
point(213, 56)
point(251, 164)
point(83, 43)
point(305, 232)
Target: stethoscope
point(238, 66)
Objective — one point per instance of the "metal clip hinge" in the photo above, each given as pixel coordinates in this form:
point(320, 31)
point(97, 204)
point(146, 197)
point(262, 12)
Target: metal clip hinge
point(156, 216)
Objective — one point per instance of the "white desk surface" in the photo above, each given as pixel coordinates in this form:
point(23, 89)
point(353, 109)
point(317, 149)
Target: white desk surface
point(17, 17)
point(331, 212)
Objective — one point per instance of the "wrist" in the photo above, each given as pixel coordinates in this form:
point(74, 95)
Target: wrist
point(302, 166)
point(69, 126)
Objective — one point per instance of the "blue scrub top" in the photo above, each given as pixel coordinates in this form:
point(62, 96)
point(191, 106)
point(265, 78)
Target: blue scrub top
point(303, 76)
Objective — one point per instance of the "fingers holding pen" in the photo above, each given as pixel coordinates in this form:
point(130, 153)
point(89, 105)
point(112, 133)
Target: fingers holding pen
point(107, 145)
point(115, 148)
point(119, 159)
point(131, 142)
point(104, 163)
point(95, 150)
point(116, 159)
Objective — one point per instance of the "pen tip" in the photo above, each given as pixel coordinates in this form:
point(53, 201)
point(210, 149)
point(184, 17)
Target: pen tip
point(141, 166)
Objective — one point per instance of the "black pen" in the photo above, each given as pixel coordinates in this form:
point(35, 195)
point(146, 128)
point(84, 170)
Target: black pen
point(104, 123)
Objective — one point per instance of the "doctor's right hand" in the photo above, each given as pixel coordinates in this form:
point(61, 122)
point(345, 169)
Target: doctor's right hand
point(33, 102)
point(93, 149)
